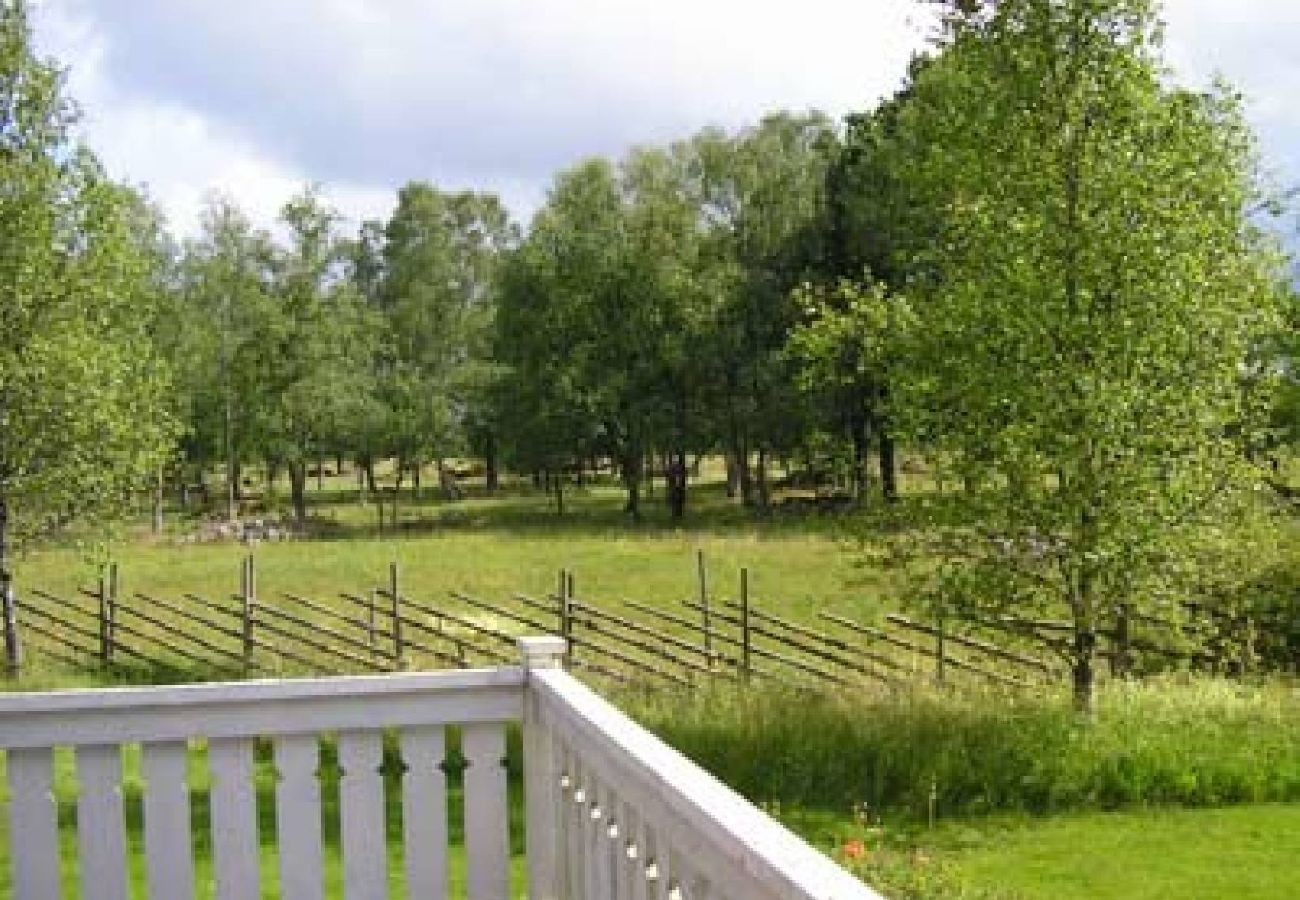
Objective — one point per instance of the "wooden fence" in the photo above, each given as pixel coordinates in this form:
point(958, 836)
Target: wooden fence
point(383, 628)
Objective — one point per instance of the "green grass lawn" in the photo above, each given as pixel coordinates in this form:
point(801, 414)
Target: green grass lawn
point(1211, 854)
point(1228, 853)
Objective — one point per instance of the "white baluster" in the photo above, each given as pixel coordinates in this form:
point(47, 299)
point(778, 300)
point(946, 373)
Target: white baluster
point(169, 857)
point(33, 824)
point(234, 818)
point(577, 808)
point(654, 866)
point(563, 818)
point(611, 840)
point(424, 812)
point(297, 817)
point(361, 810)
point(101, 827)
point(631, 876)
point(487, 835)
point(586, 825)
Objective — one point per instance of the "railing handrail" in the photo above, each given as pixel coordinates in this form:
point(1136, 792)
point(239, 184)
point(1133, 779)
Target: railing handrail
point(650, 774)
point(264, 707)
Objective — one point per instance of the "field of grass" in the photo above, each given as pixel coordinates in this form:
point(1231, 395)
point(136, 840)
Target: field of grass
point(1211, 854)
point(1223, 853)
point(985, 795)
point(495, 546)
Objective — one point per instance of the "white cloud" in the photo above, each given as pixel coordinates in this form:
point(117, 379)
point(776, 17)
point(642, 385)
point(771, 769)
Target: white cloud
point(253, 98)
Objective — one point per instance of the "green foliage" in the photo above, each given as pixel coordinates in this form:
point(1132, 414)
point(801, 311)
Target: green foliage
point(84, 408)
point(438, 287)
point(1088, 307)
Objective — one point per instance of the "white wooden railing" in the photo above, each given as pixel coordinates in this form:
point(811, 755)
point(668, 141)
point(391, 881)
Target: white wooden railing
point(612, 812)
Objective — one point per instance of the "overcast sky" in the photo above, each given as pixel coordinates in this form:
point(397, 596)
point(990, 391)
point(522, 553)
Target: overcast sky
point(253, 98)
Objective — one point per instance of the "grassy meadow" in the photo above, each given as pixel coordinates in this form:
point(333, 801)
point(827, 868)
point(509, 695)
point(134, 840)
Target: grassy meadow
point(493, 546)
point(1180, 785)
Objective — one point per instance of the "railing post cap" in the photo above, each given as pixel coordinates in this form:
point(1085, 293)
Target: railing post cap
point(541, 652)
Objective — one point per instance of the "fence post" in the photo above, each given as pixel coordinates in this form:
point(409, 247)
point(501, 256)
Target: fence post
point(704, 606)
point(248, 597)
point(13, 647)
point(105, 635)
point(394, 594)
point(745, 637)
point(563, 622)
point(112, 609)
point(370, 623)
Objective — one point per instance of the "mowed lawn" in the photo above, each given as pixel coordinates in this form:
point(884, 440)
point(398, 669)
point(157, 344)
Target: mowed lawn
point(1232, 853)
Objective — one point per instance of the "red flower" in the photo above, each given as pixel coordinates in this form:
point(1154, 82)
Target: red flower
point(854, 849)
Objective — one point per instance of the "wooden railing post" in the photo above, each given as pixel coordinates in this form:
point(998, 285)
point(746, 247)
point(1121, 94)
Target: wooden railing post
point(105, 619)
point(370, 623)
point(395, 595)
point(542, 799)
point(704, 606)
point(564, 599)
point(248, 599)
point(13, 646)
point(746, 638)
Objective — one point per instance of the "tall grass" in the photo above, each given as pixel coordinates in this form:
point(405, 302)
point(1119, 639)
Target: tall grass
point(1188, 742)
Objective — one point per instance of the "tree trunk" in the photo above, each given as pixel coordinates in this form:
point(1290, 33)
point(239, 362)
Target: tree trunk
point(861, 437)
point(745, 476)
point(397, 489)
point(232, 490)
point(490, 463)
point(676, 484)
point(733, 477)
point(158, 501)
point(320, 471)
point(760, 480)
point(13, 655)
point(559, 495)
point(415, 473)
point(632, 481)
point(1121, 655)
point(888, 466)
point(1081, 671)
point(298, 492)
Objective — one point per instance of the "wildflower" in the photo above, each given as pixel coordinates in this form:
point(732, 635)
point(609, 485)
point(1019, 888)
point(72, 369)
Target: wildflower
point(854, 849)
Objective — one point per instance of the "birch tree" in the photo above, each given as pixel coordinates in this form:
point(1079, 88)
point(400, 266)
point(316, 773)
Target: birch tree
point(1088, 307)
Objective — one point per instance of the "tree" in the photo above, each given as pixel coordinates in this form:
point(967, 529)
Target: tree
point(763, 194)
point(83, 413)
point(441, 252)
point(222, 346)
point(322, 341)
point(850, 348)
point(1087, 307)
point(559, 323)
